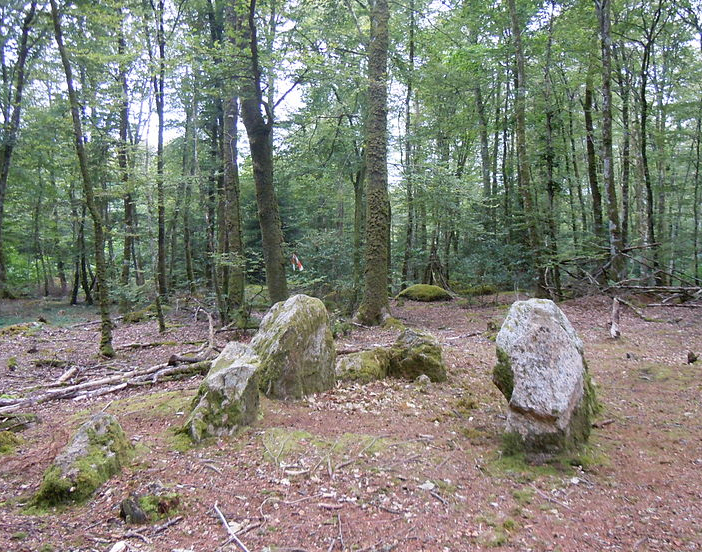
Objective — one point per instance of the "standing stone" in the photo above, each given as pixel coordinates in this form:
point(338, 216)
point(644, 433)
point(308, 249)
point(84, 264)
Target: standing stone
point(97, 451)
point(296, 349)
point(228, 397)
point(542, 373)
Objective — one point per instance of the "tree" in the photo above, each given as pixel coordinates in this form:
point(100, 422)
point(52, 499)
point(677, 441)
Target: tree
point(603, 9)
point(258, 130)
point(374, 306)
point(88, 191)
point(11, 111)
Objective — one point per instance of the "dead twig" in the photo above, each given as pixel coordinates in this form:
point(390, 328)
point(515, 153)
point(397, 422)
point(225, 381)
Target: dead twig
point(159, 528)
point(549, 497)
point(229, 530)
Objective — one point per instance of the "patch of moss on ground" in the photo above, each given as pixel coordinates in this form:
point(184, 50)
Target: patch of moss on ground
point(9, 442)
point(162, 404)
point(425, 292)
point(282, 443)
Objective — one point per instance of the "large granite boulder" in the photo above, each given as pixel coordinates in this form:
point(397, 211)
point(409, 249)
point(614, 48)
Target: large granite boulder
point(296, 349)
point(542, 373)
point(97, 451)
point(228, 396)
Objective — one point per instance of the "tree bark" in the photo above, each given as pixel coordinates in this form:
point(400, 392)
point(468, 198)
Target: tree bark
point(374, 307)
point(258, 130)
point(616, 258)
point(592, 157)
point(103, 295)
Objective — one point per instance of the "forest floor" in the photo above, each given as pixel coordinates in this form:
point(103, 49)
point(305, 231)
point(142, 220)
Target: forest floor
point(391, 465)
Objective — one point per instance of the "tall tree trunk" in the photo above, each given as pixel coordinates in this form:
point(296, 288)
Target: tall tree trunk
point(551, 186)
point(523, 173)
point(123, 161)
point(258, 130)
point(651, 34)
point(159, 83)
point(409, 167)
point(10, 131)
point(103, 292)
point(592, 157)
point(374, 307)
point(233, 247)
point(624, 82)
point(484, 155)
point(616, 258)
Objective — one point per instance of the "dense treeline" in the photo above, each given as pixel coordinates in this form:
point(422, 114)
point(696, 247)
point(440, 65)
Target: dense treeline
point(549, 145)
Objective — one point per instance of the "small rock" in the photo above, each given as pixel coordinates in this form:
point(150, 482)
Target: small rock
point(120, 546)
point(427, 486)
point(131, 512)
point(423, 380)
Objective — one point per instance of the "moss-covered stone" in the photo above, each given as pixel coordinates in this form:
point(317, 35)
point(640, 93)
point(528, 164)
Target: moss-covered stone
point(228, 397)
point(392, 323)
point(365, 366)
point(296, 349)
point(149, 312)
point(97, 451)
point(415, 353)
point(480, 289)
point(425, 292)
point(8, 442)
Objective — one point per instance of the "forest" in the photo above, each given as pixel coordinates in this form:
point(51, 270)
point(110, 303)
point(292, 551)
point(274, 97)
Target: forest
point(356, 275)
point(156, 148)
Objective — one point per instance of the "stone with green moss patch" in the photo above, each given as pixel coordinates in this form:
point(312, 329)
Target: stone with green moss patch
point(365, 366)
point(228, 397)
point(97, 451)
point(296, 349)
point(542, 373)
point(415, 353)
point(425, 292)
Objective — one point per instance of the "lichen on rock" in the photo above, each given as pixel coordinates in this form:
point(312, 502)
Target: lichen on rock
point(296, 349)
point(97, 451)
point(542, 373)
point(228, 397)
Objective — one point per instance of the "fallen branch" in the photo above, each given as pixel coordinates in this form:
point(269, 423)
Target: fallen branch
point(159, 528)
point(549, 497)
point(684, 305)
point(104, 386)
point(229, 530)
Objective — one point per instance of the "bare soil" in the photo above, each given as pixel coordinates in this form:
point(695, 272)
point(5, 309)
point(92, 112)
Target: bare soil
point(392, 465)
